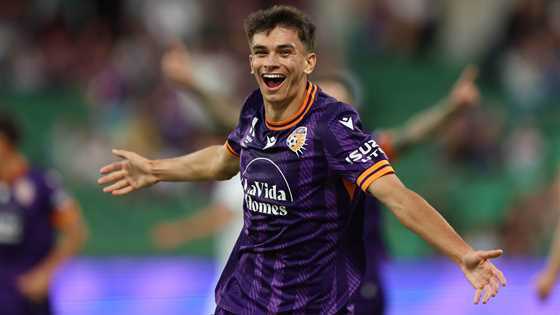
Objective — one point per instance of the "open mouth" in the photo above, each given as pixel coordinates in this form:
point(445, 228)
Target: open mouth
point(274, 80)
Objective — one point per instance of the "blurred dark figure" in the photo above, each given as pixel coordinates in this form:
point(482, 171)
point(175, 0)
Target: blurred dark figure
point(34, 212)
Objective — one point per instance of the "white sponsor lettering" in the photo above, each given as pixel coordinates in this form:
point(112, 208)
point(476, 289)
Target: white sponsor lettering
point(365, 152)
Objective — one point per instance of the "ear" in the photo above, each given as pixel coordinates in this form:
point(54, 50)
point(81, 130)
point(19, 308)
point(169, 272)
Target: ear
point(251, 64)
point(310, 63)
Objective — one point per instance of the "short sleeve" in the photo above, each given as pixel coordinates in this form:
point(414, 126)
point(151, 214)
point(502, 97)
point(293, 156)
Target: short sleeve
point(351, 152)
point(63, 206)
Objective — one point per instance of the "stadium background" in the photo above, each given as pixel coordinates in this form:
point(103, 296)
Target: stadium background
point(84, 77)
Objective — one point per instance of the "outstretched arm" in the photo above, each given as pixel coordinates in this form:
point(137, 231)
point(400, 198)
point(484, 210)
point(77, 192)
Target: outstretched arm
point(547, 277)
point(206, 222)
point(73, 234)
point(421, 218)
point(177, 68)
point(464, 94)
point(135, 172)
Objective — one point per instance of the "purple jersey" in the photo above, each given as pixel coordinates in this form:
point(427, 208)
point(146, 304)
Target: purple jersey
point(301, 248)
point(27, 209)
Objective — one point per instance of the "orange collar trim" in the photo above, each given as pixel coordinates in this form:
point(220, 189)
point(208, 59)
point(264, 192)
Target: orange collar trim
point(298, 116)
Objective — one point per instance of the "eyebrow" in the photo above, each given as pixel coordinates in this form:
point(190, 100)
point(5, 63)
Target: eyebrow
point(283, 46)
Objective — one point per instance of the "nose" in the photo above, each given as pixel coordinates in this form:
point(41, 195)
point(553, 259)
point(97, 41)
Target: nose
point(271, 61)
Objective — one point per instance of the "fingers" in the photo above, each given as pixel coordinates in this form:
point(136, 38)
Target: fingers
point(501, 277)
point(116, 186)
point(123, 191)
point(469, 74)
point(489, 254)
point(490, 291)
point(112, 177)
point(111, 168)
point(476, 299)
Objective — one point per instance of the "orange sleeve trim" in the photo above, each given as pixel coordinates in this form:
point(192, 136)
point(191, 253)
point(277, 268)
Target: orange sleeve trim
point(370, 170)
point(231, 150)
point(64, 217)
point(374, 177)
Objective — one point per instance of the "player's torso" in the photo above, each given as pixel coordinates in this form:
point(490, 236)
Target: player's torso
point(25, 227)
point(286, 182)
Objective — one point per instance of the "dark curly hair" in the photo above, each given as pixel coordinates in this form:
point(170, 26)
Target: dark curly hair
point(281, 15)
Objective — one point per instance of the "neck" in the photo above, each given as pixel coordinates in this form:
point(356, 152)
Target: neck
point(287, 108)
point(13, 167)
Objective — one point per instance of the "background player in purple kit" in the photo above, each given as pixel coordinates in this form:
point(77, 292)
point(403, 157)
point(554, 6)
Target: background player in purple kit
point(301, 155)
point(370, 297)
point(34, 211)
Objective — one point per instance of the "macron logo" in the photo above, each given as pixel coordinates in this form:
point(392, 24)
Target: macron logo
point(270, 141)
point(347, 121)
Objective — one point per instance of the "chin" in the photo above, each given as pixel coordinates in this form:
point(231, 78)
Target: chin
point(273, 98)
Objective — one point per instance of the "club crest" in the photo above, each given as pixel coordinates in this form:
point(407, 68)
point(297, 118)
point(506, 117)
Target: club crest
point(297, 140)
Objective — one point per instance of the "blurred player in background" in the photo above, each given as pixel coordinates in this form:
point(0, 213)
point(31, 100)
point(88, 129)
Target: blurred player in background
point(40, 228)
point(224, 217)
point(301, 155)
point(370, 297)
point(549, 275)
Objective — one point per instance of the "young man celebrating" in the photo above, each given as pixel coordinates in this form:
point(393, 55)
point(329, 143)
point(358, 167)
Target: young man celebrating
point(305, 165)
point(34, 210)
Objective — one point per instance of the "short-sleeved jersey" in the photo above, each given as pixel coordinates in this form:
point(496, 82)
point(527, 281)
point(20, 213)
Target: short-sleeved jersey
point(27, 209)
point(301, 247)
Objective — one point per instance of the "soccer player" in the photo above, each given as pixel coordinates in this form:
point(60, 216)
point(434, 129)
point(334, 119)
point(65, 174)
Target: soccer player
point(305, 163)
point(370, 297)
point(34, 212)
point(549, 275)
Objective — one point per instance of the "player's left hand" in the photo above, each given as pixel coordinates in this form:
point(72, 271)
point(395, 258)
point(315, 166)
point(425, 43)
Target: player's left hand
point(482, 274)
point(465, 92)
point(35, 284)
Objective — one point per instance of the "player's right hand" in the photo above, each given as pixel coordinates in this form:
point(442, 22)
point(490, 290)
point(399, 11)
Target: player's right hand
point(545, 284)
point(176, 65)
point(130, 174)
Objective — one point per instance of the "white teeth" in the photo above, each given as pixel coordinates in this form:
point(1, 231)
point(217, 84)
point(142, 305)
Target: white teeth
point(273, 76)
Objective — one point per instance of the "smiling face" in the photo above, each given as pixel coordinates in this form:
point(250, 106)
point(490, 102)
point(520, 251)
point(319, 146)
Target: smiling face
point(280, 64)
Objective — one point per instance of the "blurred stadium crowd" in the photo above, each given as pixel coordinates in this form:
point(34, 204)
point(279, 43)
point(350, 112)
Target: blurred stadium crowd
point(84, 76)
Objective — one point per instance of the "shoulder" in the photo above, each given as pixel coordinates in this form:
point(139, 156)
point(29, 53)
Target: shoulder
point(252, 103)
point(252, 106)
point(331, 110)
